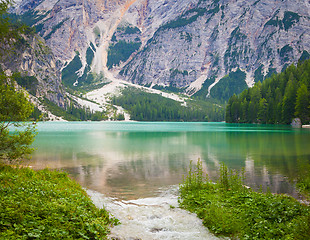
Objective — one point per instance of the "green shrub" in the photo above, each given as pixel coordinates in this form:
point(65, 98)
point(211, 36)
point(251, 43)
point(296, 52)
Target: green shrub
point(229, 208)
point(30, 83)
point(234, 83)
point(121, 51)
point(68, 74)
point(73, 113)
point(54, 29)
point(47, 205)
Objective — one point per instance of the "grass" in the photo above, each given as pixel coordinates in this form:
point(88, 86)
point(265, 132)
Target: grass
point(228, 208)
point(303, 179)
point(47, 205)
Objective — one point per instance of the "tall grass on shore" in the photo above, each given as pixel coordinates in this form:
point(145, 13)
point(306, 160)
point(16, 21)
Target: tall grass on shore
point(228, 208)
point(47, 205)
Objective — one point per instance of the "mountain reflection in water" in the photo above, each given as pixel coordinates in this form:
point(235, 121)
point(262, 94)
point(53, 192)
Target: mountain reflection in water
point(134, 160)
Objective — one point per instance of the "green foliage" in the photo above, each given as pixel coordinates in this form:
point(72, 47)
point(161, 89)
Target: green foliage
point(47, 205)
point(229, 208)
point(96, 83)
point(30, 83)
point(169, 88)
point(195, 178)
point(302, 103)
point(73, 113)
point(258, 75)
point(175, 72)
point(183, 21)
point(144, 106)
point(131, 30)
point(120, 117)
point(15, 135)
point(304, 56)
point(121, 51)
point(88, 81)
point(271, 71)
point(277, 100)
point(286, 52)
point(54, 29)
point(36, 115)
point(289, 19)
point(30, 18)
point(190, 16)
point(275, 22)
point(10, 32)
point(69, 75)
point(303, 180)
point(89, 56)
point(227, 86)
point(203, 92)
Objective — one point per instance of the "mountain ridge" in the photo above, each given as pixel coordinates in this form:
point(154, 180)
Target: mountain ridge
point(190, 45)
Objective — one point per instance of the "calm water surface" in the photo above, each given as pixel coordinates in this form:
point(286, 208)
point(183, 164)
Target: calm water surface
point(131, 160)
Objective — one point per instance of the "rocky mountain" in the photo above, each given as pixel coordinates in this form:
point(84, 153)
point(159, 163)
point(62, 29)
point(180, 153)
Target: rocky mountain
point(203, 47)
point(37, 68)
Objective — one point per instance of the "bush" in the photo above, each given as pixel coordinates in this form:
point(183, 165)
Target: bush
point(16, 135)
point(47, 205)
point(229, 208)
point(121, 51)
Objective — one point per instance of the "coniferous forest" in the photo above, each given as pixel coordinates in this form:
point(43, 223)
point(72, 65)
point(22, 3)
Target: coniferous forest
point(143, 106)
point(277, 100)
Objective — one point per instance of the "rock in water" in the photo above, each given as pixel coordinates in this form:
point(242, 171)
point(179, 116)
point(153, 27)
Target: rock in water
point(296, 123)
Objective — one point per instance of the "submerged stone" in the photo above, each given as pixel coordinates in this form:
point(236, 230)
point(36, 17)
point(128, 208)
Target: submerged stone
point(296, 123)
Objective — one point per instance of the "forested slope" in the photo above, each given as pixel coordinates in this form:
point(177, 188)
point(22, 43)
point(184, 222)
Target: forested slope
point(278, 99)
point(143, 106)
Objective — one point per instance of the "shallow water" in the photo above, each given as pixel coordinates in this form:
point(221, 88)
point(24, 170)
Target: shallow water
point(153, 218)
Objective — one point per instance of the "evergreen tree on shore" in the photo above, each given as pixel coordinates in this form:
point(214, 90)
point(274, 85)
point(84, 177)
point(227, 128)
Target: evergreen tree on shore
point(277, 100)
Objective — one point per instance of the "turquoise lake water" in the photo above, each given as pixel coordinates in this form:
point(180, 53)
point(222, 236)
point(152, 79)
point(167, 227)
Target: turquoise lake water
point(131, 160)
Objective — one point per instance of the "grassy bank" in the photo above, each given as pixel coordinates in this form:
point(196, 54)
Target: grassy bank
point(47, 205)
point(228, 208)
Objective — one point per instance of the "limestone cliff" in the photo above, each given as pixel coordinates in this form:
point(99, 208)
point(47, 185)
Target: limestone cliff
point(38, 70)
point(190, 44)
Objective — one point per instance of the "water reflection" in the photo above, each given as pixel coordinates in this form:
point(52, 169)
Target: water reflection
point(128, 163)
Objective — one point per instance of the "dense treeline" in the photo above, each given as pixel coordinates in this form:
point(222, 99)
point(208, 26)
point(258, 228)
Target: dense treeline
point(73, 113)
point(144, 106)
point(278, 99)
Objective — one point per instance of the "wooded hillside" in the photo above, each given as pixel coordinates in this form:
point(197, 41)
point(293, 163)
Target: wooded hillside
point(278, 99)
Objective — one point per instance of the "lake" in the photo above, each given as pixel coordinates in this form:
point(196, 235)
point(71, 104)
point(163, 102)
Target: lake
point(131, 160)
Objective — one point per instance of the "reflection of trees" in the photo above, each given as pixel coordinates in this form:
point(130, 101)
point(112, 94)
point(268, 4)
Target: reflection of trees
point(269, 157)
point(278, 152)
point(144, 161)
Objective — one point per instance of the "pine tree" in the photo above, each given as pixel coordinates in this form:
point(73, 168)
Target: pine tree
point(302, 104)
point(288, 103)
point(262, 110)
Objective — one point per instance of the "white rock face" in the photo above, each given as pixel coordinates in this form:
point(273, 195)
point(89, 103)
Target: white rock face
point(229, 35)
point(183, 42)
point(35, 59)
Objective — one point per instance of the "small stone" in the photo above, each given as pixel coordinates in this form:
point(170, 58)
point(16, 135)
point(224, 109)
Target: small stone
point(296, 123)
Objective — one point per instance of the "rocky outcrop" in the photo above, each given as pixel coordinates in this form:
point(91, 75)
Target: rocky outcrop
point(217, 37)
point(38, 70)
point(296, 123)
point(184, 43)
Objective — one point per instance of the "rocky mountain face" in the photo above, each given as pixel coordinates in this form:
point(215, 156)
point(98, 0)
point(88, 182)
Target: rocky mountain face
point(37, 68)
point(199, 46)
